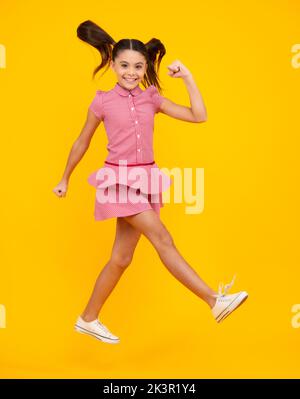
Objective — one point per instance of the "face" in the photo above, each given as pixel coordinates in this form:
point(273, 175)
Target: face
point(130, 67)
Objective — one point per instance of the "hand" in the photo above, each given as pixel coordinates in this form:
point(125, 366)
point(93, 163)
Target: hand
point(178, 70)
point(61, 189)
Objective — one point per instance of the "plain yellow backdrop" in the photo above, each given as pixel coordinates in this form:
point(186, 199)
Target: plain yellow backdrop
point(52, 249)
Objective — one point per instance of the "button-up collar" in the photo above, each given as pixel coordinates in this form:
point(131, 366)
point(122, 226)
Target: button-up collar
point(125, 92)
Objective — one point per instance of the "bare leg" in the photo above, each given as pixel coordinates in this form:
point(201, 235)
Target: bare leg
point(125, 242)
point(149, 224)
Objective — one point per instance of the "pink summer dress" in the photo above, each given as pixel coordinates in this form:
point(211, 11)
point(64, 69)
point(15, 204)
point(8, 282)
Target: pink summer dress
point(129, 181)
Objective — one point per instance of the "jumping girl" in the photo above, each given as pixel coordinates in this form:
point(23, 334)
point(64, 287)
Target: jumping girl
point(128, 113)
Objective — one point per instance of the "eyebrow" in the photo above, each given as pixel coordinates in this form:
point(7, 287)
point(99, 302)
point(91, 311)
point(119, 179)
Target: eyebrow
point(140, 62)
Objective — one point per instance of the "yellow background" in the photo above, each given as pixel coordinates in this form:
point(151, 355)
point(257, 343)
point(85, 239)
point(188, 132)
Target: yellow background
point(52, 249)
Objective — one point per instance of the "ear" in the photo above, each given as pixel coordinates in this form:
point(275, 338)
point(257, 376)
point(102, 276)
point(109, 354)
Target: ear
point(111, 64)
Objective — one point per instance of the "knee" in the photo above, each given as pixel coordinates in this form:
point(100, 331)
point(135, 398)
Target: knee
point(121, 261)
point(163, 239)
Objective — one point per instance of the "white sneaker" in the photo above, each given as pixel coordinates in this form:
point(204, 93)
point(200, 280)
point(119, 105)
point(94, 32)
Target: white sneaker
point(226, 304)
point(96, 329)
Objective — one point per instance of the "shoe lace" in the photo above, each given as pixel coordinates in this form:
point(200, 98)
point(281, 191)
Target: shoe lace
point(104, 327)
point(222, 291)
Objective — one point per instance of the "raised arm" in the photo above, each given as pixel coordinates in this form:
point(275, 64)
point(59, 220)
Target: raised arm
point(197, 111)
point(78, 149)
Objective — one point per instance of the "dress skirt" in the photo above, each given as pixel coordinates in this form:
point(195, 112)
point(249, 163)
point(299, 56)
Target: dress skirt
point(123, 191)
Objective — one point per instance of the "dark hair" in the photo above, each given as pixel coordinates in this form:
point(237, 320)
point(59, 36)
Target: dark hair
point(153, 50)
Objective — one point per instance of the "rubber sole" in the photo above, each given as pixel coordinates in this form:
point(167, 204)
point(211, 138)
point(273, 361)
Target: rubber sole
point(237, 302)
point(99, 337)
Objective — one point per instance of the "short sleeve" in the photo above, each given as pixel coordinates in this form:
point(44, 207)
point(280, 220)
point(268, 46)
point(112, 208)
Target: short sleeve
point(97, 105)
point(157, 99)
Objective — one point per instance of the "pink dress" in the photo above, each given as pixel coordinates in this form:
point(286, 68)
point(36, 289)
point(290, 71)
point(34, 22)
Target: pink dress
point(129, 181)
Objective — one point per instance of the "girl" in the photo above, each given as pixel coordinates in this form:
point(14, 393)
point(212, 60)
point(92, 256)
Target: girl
point(128, 112)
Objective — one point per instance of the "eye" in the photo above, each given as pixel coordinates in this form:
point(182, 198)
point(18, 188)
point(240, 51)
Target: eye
point(125, 66)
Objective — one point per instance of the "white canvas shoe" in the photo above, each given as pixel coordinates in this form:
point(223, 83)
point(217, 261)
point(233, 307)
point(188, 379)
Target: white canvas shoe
point(96, 329)
point(226, 304)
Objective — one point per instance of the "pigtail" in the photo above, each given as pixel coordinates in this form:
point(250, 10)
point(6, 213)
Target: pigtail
point(156, 50)
point(153, 51)
point(92, 34)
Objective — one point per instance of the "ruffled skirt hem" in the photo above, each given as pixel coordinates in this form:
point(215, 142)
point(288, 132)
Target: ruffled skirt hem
point(112, 207)
point(144, 187)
